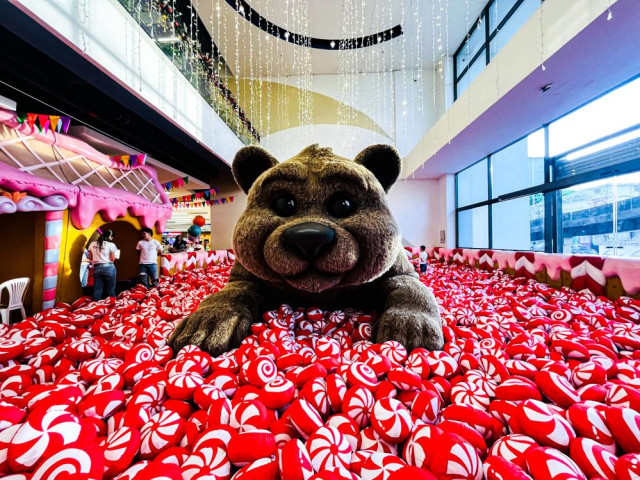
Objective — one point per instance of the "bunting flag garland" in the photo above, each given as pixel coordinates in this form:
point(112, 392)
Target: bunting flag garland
point(180, 182)
point(192, 201)
point(44, 123)
point(129, 161)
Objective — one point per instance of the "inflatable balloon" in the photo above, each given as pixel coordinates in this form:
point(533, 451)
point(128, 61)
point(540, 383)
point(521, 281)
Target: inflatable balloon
point(199, 220)
point(194, 231)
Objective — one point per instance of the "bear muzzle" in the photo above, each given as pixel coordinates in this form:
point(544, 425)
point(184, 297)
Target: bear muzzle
point(308, 239)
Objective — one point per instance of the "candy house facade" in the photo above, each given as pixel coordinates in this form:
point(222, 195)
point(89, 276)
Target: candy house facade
point(57, 191)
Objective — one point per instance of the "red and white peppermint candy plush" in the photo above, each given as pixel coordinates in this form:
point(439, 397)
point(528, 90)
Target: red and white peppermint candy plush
point(541, 423)
point(327, 347)
point(623, 396)
point(182, 385)
point(81, 462)
point(347, 427)
point(249, 415)
point(593, 459)
point(304, 417)
point(328, 448)
point(260, 371)
point(420, 447)
point(394, 351)
point(209, 462)
point(391, 420)
point(102, 404)
point(314, 314)
point(247, 447)
point(628, 467)
point(497, 468)
point(94, 370)
point(516, 389)
point(219, 412)
point(587, 373)
point(371, 441)
point(379, 466)
point(545, 463)
point(277, 393)
point(225, 380)
point(590, 422)
point(455, 459)
point(466, 393)
point(315, 392)
point(44, 433)
point(336, 389)
point(263, 469)
point(404, 379)
point(357, 404)
point(5, 440)
point(10, 349)
point(417, 362)
point(624, 424)
point(362, 375)
point(557, 388)
point(294, 462)
point(513, 448)
point(205, 394)
point(120, 448)
point(426, 406)
point(442, 364)
point(214, 435)
point(162, 431)
point(337, 316)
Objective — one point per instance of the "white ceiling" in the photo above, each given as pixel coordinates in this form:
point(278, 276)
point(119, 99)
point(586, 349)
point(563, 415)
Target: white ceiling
point(250, 52)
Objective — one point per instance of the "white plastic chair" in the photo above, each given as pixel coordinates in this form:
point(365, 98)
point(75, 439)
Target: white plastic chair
point(17, 289)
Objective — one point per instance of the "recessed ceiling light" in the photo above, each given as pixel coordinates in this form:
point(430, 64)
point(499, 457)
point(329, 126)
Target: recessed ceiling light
point(333, 44)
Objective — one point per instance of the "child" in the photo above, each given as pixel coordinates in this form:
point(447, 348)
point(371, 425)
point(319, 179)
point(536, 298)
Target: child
point(423, 259)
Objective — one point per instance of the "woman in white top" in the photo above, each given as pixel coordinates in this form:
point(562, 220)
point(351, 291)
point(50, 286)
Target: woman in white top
point(102, 254)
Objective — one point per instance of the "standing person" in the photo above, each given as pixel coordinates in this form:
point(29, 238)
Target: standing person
point(423, 259)
point(102, 254)
point(149, 248)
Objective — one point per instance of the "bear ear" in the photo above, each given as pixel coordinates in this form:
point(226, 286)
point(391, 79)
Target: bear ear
point(249, 163)
point(383, 161)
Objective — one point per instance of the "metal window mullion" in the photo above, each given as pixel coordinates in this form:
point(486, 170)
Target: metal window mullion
point(490, 200)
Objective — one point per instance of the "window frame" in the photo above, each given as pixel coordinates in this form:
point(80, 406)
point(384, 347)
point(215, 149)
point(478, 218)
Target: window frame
point(490, 33)
point(552, 185)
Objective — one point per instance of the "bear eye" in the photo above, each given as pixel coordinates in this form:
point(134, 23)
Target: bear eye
point(284, 206)
point(341, 206)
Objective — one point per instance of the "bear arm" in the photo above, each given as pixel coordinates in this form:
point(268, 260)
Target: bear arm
point(410, 314)
point(223, 319)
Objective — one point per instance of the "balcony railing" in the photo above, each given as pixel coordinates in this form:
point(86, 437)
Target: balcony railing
point(189, 47)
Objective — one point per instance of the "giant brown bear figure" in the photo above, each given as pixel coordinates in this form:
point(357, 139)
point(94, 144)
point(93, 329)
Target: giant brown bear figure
point(317, 231)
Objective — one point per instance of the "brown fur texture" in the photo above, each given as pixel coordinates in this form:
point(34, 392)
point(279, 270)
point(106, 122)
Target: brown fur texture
point(363, 266)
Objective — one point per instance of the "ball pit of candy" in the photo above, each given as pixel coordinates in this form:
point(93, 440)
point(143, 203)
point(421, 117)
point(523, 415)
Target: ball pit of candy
point(533, 382)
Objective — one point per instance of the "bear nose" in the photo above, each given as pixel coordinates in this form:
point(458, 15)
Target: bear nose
point(308, 238)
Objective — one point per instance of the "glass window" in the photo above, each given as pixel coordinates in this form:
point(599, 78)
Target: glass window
point(519, 17)
point(498, 10)
point(472, 73)
point(473, 228)
point(472, 184)
point(519, 166)
point(470, 48)
point(605, 116)
point(627, 242)
point(587, 217)
point(518, 224)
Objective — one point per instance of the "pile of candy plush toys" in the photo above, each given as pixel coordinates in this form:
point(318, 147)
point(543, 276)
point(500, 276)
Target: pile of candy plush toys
point(533, 382)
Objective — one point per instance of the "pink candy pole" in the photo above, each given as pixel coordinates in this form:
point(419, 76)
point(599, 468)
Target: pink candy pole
point(52, 236)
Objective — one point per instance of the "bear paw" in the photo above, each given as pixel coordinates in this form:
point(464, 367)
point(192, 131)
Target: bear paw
point(213, 329)
point(413, 329)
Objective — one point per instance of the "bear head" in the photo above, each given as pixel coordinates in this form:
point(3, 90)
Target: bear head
point(317, 221)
